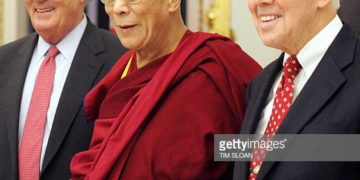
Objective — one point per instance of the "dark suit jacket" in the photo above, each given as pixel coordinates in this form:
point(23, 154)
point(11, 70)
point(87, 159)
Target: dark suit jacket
point(350, 13)
point(329, 103)
point(96, 53)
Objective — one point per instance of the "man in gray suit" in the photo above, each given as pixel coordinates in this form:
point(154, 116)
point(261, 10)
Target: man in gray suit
point(85, 55)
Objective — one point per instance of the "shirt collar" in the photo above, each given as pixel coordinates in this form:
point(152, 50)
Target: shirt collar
point(67, 46)
point(314, 50)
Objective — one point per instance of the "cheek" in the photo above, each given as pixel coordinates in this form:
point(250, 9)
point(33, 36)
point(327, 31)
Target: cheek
point(252, 6)
point(292, 24)
point(28, 6)
point(107, 10)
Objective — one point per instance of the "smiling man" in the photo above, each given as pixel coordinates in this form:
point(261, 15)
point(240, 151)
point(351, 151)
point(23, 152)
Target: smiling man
point(312, 88)
point(157, 110)
point(44, 78)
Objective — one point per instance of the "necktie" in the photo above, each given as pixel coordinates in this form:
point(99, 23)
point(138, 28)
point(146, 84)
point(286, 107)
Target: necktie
point(32, 139)
point(282, 104)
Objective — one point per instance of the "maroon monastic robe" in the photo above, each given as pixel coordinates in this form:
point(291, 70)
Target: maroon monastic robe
point(159, 121)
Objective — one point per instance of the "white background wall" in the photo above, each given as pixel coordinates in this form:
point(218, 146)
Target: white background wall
point(14, 20)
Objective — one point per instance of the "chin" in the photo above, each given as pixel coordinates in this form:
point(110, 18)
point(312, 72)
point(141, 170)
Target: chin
point(127, 45)
point(266, 41)
point(269, 41)
point(44, 25)
point(271, 44)
point(44, 30)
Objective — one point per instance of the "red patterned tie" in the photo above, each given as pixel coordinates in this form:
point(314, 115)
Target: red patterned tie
point(32, 139)
point(282, 103)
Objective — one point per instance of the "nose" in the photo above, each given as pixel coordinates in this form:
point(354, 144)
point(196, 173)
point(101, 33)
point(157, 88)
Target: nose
point(260, 2)
point(265, 1)
point(120, 7)
point(254, 4)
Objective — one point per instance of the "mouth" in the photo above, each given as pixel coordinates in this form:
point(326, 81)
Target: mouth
point(125, 27)
point(268, 18)
point(44, 10)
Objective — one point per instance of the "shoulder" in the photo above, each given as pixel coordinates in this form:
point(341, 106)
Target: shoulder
point(17, 44)
point(102, 40)
point(92, 32)
point(234, 59)
point(222, 60)
point(268, 70)
point(226, 52)
point(109, 37)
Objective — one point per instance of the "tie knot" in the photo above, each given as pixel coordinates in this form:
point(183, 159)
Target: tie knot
point(53, 51)
point(292, 67)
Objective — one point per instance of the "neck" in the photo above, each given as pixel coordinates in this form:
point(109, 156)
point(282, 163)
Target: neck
point(55, 36)
point(162, 47)
point(324, 18)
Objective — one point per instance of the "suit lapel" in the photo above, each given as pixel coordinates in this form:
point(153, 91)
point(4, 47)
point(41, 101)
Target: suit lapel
point(326, 80)
point(260, 96)
point(81, 77)
point(254, 109)
point(15, 71)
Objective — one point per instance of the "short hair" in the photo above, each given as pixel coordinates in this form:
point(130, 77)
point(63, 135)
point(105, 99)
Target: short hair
point(336, 4)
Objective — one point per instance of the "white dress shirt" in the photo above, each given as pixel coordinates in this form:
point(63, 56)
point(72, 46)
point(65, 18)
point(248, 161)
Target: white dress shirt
point(309, 57)
point(67, 49)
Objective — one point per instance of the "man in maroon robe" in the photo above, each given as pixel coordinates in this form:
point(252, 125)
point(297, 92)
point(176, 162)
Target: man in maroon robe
point(159, 107)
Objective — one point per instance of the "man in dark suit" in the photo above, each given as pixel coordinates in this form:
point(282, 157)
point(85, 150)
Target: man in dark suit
point(350, 13)
point(320, 96)
point(85, 55)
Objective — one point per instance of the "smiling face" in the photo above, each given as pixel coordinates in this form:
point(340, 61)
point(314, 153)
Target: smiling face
point(54, 19)
point(139, 25)
point(285, 24)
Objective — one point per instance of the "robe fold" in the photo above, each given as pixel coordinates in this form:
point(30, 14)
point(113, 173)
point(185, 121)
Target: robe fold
point(159, 121)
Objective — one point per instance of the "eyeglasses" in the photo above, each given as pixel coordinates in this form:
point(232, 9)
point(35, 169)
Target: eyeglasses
point(112, 2)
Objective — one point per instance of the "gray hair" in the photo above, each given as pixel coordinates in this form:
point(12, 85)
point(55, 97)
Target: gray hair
point(336, 4)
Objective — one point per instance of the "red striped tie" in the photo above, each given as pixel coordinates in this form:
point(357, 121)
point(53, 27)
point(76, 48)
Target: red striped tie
point(33, 134)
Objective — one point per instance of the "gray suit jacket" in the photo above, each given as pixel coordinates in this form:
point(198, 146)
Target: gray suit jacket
point(329, 103)
point(97, 52)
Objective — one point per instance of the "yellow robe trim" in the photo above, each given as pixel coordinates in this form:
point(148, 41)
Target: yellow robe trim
point(126, 68)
